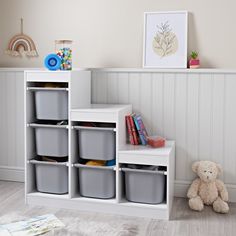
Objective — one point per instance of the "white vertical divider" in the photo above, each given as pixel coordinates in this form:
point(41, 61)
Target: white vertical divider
point(157, 104)
point(3, 118)
point(112, 85)
point(169, 106)
point(205, 117)
point(19, 119)
point(10, 121)
point(217, 138)
point(123, 88)
point(230, 129)
point(146, 99)
point(180, 125)
point(101, 86)
point(192, 144)
point(94, 81)
point(134, 91)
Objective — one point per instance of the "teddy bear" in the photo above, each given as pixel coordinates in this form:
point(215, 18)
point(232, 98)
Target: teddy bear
point(207, 189)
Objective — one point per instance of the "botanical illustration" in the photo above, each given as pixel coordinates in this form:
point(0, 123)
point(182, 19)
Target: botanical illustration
point(165, 42)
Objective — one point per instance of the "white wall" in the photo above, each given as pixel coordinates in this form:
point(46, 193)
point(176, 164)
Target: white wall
point(108, 33)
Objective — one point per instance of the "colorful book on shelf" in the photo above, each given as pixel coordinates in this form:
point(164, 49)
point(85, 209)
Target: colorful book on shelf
point(134, 131)
point(141, 129)
point(130, 134)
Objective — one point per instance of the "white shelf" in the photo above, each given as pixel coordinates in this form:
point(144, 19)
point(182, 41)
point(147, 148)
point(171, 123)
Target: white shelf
point(103, 108)
point(147, 150)
point(94, 200)
point(48, 195)
point(162, 206)
point(146, 155)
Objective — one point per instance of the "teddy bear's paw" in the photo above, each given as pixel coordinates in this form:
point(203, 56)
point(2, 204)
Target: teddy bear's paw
point(225, 196)
point(220, 206)
point(196, 204)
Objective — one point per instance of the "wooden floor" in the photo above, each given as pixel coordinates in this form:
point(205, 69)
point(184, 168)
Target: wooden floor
point(183, 222)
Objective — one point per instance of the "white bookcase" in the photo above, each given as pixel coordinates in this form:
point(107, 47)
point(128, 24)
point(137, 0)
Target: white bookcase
point(80, 109)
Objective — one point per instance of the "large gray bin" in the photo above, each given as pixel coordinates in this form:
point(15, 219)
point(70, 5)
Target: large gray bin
point(96, 181)
point(51, 140)
point(51, 177)
point(51, 104)
point(144, 186)
point(97, 143)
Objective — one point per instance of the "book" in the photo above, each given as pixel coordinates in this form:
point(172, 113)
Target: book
point(34, 226)
point(134, 131)
point(130, 134)
point(141, 129)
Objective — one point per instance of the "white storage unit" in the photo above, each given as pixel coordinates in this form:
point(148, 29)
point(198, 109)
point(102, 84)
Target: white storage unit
point(112, 200)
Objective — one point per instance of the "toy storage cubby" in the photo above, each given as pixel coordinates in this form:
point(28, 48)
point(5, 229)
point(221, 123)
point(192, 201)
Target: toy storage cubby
point(92, 132)
point(49, 97)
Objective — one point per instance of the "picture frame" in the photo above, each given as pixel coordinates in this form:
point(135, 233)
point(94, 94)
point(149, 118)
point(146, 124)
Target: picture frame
point(165, 39)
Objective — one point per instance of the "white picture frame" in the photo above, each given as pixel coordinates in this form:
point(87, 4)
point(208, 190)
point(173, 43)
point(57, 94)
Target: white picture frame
point(165, 39)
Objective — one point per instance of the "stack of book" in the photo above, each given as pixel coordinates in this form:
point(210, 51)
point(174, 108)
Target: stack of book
point(136, 130)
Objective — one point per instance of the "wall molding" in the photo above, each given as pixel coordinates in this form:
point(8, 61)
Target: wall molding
point(8, 173)
point(181, 188)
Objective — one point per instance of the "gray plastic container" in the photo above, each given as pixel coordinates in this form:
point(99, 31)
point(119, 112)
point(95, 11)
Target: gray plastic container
point(96, 181)
point(51, 140)
point(144, 186)
point(51, 104)
point(51, 177)
point(97, 143)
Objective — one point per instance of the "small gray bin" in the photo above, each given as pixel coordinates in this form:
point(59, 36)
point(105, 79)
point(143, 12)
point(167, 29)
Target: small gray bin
point(144, 186)
point(96, 181)
point(51, 177)
point(51, 104)
point(51, 140)
point(97, 143)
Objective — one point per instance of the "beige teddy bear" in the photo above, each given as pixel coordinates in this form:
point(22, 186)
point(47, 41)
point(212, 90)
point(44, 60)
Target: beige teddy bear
point(207, 189)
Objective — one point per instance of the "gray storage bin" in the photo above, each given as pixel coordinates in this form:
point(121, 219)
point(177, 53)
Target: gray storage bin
point(96, 181)
point(51, 140)
point(144, 186)
point(51, 104)
point(51, 177)
point(97, 143)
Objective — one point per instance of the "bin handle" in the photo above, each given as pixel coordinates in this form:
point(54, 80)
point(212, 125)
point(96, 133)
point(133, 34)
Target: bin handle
point(46, 89)
point(34, 125)
point(48, 163)
point(144, 171)
point(77, 165)
point(93, 128)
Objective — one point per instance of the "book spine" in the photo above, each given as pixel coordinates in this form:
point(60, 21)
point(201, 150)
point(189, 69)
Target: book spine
point(142, 130)
point(131, 138)
point(136, 142)
point(139, 130)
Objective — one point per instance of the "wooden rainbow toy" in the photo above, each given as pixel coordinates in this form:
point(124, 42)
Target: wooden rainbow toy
point(21, 44)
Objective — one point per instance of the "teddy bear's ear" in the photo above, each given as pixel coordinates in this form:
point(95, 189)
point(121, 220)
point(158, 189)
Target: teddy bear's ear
point(220, 169)
point(195, 166)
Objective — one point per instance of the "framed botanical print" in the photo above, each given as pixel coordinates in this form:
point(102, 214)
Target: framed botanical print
point(165, 39)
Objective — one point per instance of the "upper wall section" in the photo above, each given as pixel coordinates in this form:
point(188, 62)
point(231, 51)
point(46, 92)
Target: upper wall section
point(109, 33)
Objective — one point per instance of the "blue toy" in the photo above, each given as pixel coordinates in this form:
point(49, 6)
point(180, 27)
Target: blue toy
point(111, 162)
point(52, 62)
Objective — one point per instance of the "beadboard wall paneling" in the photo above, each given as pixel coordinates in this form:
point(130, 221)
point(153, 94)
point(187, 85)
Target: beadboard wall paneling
point(197, 110)
point(12, 125)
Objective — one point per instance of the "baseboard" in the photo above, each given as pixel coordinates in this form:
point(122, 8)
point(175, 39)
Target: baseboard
point(12, 173)
point(181, 188)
